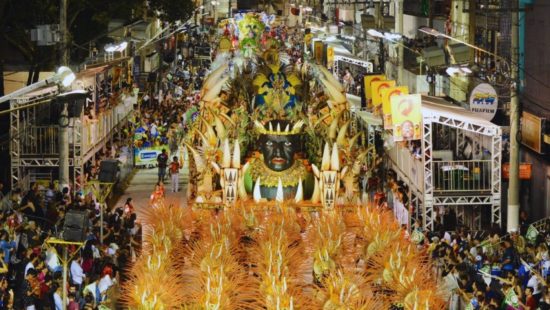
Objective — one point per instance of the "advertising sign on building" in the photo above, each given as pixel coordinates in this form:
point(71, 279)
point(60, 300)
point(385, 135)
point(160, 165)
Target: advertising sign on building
point(406, 117)
point(318, 51)
point(387, 93)
point(531, 131)
point(484, 101)
point(377, 87)
point(330, 57)
point(368, 79)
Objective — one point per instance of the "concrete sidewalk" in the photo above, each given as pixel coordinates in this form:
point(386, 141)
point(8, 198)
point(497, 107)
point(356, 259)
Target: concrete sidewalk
point(143, 183)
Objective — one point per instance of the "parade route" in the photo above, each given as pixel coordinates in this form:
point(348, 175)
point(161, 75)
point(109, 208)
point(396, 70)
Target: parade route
point(143, 183)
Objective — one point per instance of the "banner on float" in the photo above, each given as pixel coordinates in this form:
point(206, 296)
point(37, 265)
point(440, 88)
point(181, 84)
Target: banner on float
point(368, 79)
point(406, 117)
point(377, 87)
point(147, 156)
point(387, 93)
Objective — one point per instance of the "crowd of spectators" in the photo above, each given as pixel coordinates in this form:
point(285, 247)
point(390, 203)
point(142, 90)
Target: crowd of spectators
point(498, 271)
point(31, 270)
point(481, 270)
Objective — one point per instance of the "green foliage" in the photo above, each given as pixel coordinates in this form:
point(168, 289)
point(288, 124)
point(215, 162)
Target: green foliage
point(87, 20)
point(314, 144)
point(243, 128)
point(173, 10)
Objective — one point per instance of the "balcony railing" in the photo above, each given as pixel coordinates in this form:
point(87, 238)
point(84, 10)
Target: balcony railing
point(462, 176)
point(40, 140)
point(95, 131)
point(43, 140)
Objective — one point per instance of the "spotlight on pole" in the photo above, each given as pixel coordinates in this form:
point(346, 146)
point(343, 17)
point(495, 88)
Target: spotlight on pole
point(431, 31)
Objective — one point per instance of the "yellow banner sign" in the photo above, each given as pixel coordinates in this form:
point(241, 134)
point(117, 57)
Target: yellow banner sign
point(330, 56)
point(318, 46)
point(377, 87)
point(387, 93)
point(368, 91)
point(406, 111)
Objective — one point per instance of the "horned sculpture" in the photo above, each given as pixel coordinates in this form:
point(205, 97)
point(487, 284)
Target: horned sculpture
point(231, 174)
point(327, 183)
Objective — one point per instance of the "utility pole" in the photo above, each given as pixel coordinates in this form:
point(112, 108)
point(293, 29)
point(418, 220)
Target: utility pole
point(399, 29)
point(64, 117)
point(512, 222)
point(472, 28)
point(64, 51)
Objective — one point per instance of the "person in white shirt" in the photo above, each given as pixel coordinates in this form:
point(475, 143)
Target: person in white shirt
point(534, 283)
point(58, 301)
point(94, 289)
point(105, 283)
point(30, 264)
point(77, 273)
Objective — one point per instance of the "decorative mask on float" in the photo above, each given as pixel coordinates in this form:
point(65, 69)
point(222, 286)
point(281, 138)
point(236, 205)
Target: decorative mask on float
point(278, 175)
point(276, 89)
point(250, 26)
point(231, 174)
point(328, 178)
point(279, 144)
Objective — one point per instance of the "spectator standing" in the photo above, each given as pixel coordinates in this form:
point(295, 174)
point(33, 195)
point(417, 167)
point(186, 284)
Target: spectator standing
point(57, 299)
point(77, 273)
point(174, 174)
point(162, 161)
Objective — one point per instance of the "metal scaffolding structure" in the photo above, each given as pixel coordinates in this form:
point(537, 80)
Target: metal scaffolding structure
point(470, 192)
point(34, 145)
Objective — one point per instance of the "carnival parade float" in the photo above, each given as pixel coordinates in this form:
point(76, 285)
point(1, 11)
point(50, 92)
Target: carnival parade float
point(276, 217)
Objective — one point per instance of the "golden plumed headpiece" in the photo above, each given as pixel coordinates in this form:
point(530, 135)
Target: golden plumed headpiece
point(279, 127)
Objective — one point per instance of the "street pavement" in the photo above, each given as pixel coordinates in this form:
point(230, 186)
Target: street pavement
point(143, 183)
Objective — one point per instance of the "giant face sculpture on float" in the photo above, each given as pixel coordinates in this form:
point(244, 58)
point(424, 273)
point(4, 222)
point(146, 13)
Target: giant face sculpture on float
point(277, 173)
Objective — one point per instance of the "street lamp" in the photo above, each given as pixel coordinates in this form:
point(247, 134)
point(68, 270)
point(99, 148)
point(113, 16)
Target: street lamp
point(437, 34)
point(394, 38)
point(65, 99)
point(63, 77)
point(458, 71)
point(215, 11)
point(512, 222)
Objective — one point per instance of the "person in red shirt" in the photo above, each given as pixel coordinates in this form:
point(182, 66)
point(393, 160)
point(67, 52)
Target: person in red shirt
point(174, 174)
point(530, 301)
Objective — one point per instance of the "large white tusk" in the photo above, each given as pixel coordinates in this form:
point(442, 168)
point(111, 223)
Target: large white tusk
point(333, 92)
point(236, 163)
point(270, 126)
point(278, 127)
point(220, 128)
point(297, 126)
point(226, 159)
point(325, 162)
point(315, 170)
point(259, 125)
point(216, 167)
point(257, 194)
point(316, 192)
point(299, 192)
point(214, 76)
point(214, 91)
point(331, 79)
point(343, 172)
point(287, 129)
point(279, 196)
point(241, 188)
point(335, 159)
point(342, 133)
